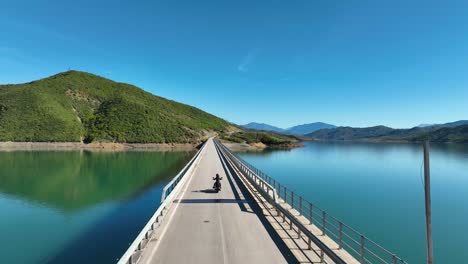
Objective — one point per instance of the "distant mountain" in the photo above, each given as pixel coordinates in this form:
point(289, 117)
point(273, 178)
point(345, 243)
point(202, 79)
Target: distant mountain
point(78, 106)
point(299, 130)
point(263, 127)
point(456, 134)
point(449, 133)
point(451, 124)
point(426, 125)
point(308, 128)
point(454, 124)
point(350, 133)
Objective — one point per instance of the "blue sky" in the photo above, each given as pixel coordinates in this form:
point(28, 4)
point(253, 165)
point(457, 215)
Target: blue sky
point(358, 63)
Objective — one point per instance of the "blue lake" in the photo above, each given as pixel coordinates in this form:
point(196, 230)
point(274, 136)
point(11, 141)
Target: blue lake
point(78, 207)
point(377, 188)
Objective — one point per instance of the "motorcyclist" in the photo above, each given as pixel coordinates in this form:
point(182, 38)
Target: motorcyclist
point(217, 182)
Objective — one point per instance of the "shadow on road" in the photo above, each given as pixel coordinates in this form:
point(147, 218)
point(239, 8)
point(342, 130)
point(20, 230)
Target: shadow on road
point(203, 201)
point(206, 191)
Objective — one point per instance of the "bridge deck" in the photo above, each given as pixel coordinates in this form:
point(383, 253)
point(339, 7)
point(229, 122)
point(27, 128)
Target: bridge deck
point(224, 227)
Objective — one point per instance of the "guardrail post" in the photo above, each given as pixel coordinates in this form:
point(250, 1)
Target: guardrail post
point(340, 236)
point(285, 195)
point(300, 205)
point(363, 239)
point(324, 222)
point(311, 215)
point(292, 200)
point(394, 259)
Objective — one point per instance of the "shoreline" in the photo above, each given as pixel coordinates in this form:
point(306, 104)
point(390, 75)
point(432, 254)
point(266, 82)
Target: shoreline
point(64, 146)
point(258, 147)
point(71, 146)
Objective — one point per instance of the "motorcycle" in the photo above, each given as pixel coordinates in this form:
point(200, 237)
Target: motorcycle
point(217, 183)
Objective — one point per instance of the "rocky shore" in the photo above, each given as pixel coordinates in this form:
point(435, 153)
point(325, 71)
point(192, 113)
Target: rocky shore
point(240, 147)
point(10, 146)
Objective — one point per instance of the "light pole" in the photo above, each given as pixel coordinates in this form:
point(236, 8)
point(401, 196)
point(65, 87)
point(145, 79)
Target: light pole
point(427, 193)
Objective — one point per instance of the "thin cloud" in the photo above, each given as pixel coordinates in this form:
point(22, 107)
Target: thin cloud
point(247, 60)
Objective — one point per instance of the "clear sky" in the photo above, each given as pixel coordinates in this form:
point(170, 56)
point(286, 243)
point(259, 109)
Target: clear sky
point(359, 63)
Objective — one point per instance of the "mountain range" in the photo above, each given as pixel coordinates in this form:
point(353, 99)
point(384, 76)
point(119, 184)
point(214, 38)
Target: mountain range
point(299, 130)
point(456, 132)
point(451, 124)
point(263, 127)
point(447, 132)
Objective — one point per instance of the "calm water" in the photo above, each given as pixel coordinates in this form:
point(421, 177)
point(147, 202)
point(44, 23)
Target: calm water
point(377, 188)
point(78, 207)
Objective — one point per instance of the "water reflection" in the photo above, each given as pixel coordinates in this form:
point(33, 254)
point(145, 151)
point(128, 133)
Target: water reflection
point(67, 202)
point(76, 180)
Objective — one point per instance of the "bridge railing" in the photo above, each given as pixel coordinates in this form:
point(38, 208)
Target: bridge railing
point(359, 246)
point(167, 190)
point(133, 253)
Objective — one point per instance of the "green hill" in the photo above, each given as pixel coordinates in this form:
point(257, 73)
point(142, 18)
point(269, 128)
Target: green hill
point(270, 139)
point(77, 106)
point(458, 134)
point(455, 134)
point(349, 133)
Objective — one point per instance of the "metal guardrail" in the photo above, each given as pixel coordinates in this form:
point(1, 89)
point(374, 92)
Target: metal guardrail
point(132, 254)
point(167, 190)
point(359, 246)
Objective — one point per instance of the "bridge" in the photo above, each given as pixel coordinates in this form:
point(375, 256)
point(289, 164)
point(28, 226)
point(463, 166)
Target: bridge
point(253, 219)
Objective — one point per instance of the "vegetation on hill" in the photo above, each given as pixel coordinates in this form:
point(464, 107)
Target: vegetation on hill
point(77, 106)
point(268, 138)
point(350, 133)
point(458, 134)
